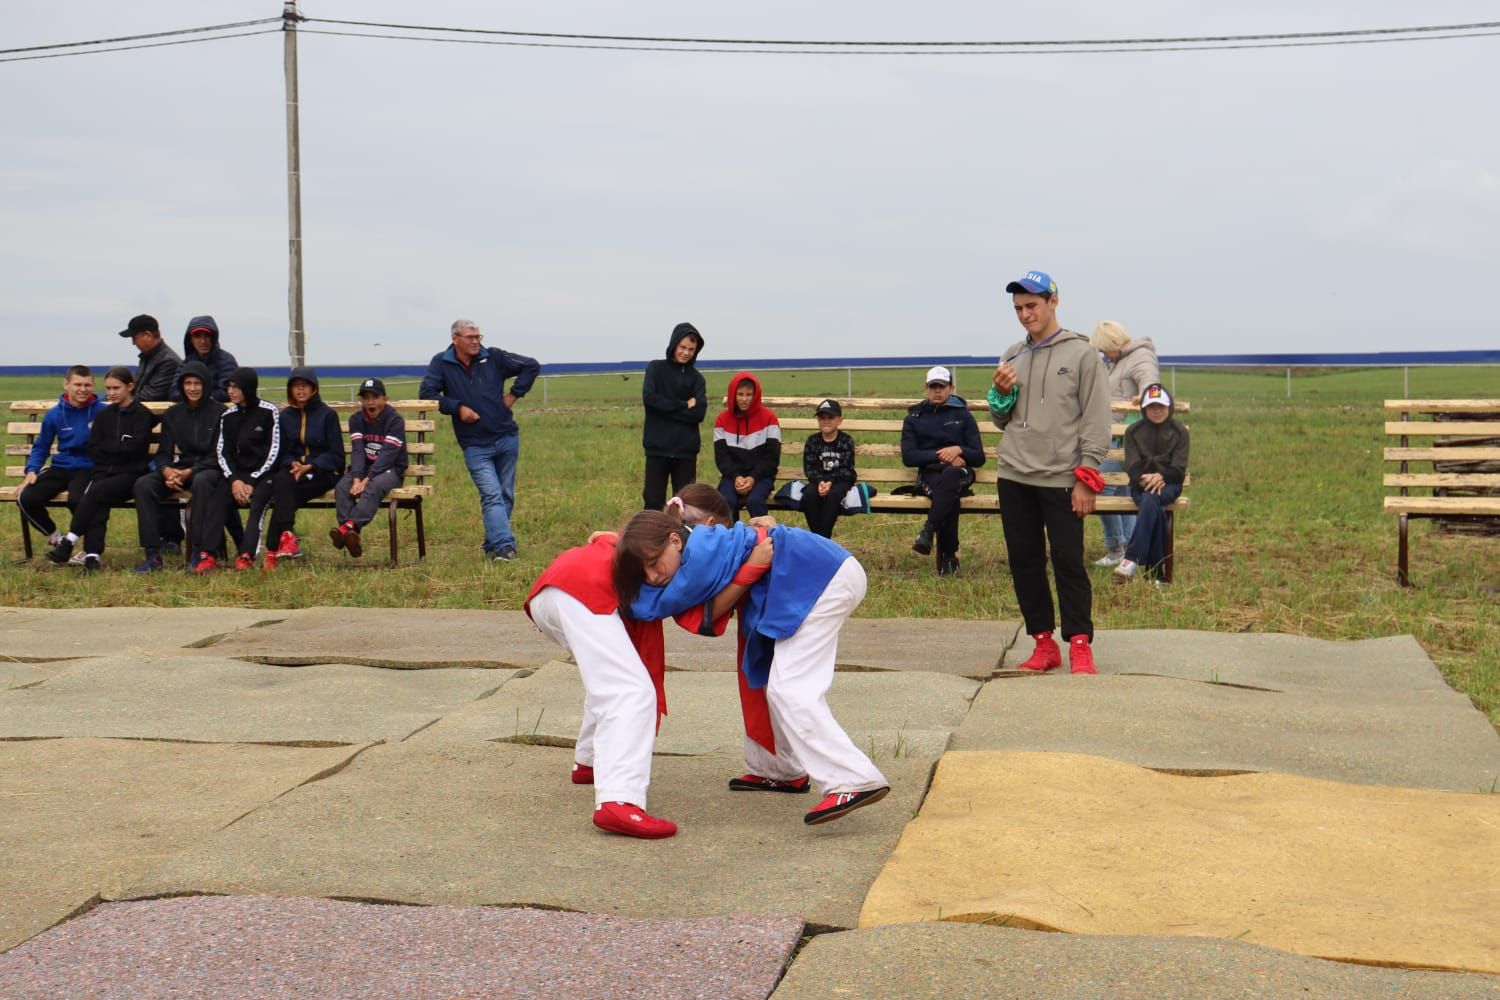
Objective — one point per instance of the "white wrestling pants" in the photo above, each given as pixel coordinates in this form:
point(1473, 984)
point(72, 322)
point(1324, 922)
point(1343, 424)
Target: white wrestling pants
point(619, 702)
point(809, 739)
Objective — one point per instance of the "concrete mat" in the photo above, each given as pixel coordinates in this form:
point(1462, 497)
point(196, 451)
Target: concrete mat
point(21, 674)
point(78, 815)
point(394, 637)
point(966, 960)
point(467, 823)
point(43, 634)
point(256, 947)
point(1427, 738)
point(944, 646)
point(893, 714)
point(214, 700)
point(1392, 663)
point(1386, 876)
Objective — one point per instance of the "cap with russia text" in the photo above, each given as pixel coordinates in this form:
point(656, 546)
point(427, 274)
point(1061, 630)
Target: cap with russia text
point(1033, 283)
point(372, 385)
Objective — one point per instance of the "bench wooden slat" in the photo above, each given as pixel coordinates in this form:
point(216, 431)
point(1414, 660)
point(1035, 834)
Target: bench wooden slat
point(1457, 454)
point(779, 403)
point(1443, 428)
point(989, 476)
point(1460, 480)
point(1444, 506)
point(1442, 405)
point(856, 424)
point(894, 450)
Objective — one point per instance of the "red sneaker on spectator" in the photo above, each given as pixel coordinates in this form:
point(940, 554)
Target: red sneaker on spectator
point(244, 561)
point(1046, 656)
point(1081, 656)
point(288, 548)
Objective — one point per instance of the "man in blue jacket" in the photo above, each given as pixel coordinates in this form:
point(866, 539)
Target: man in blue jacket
point(940, 439)
point(468, 381)
point(67, 425)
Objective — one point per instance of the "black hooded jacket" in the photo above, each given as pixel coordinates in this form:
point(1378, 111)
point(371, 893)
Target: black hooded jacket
point(311, 433)
point(928, 428)
point(120, 440)
point(671, 428)
point(1161, 448)
point(219, 362)
point(249, 441)
point(187, 432)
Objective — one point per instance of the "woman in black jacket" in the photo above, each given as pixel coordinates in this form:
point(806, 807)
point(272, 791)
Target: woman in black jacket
point(120, 448)
point(248, 450)
point(676, 401)
point(312, 460)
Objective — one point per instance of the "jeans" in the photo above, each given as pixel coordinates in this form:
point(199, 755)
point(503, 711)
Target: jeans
point(754, 501)
point(1117, 527)
point(1148, 545)
point(493, 469)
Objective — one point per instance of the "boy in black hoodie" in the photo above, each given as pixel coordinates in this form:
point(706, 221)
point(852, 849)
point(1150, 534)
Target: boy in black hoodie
point(676, 401)
point(201, 344)
point(246, 450)
point(312, 450)
point(1156, 459)
point(187, 440)
point(120, 448)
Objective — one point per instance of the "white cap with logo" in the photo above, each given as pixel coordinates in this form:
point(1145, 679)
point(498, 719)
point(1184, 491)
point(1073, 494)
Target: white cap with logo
point(937, 373)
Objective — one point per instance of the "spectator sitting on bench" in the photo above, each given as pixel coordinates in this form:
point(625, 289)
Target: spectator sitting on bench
point(747, 447)
point(828, 464)
point(940, 439)
point(377, 461)
point(68, 425)
point(201, 344)
point(312, 451)
point(186, 442)
point(120, 448)
point(1156, 459)
point(246, 450)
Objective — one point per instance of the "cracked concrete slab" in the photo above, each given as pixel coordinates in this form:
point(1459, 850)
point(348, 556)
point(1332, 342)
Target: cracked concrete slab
point(13, 674)
point(1389, 664)
point(945, 959)
point(214, 947)
point(886, 714)
point(79, 816)
point(212, 700)
point(1421, 738)
point(47, 634)
point(496, 823)
point(1387, 876)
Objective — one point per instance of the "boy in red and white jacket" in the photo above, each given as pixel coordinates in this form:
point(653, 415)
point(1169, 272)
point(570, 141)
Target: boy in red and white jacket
point(747, 447)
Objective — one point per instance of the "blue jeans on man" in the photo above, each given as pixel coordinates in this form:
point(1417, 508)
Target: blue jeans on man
point(493, 469)
point(1117, 527)
point(1148, 544)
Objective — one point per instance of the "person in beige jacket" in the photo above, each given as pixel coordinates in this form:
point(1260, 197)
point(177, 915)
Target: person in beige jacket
point(1132, 366)
point(1051, 397)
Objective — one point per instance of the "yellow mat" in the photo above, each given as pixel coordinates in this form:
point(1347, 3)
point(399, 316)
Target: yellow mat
point(1088, 845)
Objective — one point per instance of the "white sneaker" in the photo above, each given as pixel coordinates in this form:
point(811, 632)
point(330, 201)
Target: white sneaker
point(76, 559)
point(1111, 558)
point(1124, 572)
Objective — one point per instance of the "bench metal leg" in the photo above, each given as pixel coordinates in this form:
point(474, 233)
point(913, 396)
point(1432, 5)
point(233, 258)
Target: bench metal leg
point(395, 550)
point(1402, 577)
point(25, 532)
point(421, 532)
point(1166, 572)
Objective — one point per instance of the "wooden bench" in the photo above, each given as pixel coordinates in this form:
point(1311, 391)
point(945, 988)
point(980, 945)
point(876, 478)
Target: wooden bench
point(1458, 440)
point(879, 462)
point(421, 474)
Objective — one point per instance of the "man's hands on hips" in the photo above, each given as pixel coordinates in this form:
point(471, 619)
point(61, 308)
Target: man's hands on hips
point(1083, 500)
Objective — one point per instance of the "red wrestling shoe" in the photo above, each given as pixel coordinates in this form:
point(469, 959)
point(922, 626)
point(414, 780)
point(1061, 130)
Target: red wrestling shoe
point(244, 561)
point(632, 821)
point(1046, 656)
point(206, 563)
point(837, 804)
point(583, 774)
point(287, 547)
point(1080, 655)
point(755, 783)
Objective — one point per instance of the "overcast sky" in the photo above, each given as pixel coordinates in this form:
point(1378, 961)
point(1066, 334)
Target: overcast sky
point(578, 204)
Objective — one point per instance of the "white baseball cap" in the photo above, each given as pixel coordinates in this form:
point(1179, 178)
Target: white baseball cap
point(937, 373)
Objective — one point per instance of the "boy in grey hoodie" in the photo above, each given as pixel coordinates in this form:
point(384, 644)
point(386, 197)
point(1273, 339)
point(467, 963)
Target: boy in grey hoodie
point(1051, 397)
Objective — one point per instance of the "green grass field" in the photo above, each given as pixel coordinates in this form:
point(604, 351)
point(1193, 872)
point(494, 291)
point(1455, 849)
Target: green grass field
point(1285, 534)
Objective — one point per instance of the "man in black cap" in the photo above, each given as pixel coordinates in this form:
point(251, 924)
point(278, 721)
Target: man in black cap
point(157, 373)
point(377, 461)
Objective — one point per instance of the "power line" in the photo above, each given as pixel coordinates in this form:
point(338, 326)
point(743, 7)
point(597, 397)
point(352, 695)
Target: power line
point(1451, 29)
point(894, 52)
point(146, 45)
point(137, 38)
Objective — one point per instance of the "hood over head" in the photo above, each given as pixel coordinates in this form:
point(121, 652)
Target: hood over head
point(200, 323)
point(249, 383)
point(734, 384)
point(306, 374)
point(200, 371)
point(679, 333)
point(1156, 394)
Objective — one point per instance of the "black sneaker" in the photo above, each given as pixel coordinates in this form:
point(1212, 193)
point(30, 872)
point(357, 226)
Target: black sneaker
point(923, 545)
point(151, 564)
point(506, 554)
point(61, 552)
point(91, 563)
point(836, 804)
point(948, 566)
point(755, 783)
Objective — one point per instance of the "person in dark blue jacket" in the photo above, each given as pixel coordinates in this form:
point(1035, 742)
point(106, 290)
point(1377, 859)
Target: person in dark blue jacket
point(676, 401)
point(940, 439)
point(67, 424)
point(201, 344)
point(312, 460)
point(468, 381)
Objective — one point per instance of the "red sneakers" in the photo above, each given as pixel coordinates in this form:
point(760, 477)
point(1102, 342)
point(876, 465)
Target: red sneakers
point(244, 561)
point(583, 774)
point(632, 821)
point(836, 804)
point(270, 562)
point(1080, 656)
point(1046, 656)
point(287, 547)
point(755, 783)
point(206, 563)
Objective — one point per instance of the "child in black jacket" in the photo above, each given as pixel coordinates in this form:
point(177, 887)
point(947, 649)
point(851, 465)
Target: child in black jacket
point(120, 448)
point(828, 465)
point(1156, 459)
point(312, 450)
point(247, 452)
point(377, 461)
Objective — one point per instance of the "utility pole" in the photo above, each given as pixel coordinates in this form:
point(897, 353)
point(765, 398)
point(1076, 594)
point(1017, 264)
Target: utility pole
point(297, 337)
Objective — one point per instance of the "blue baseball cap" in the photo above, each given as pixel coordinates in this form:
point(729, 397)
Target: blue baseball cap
point(1033, 283)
